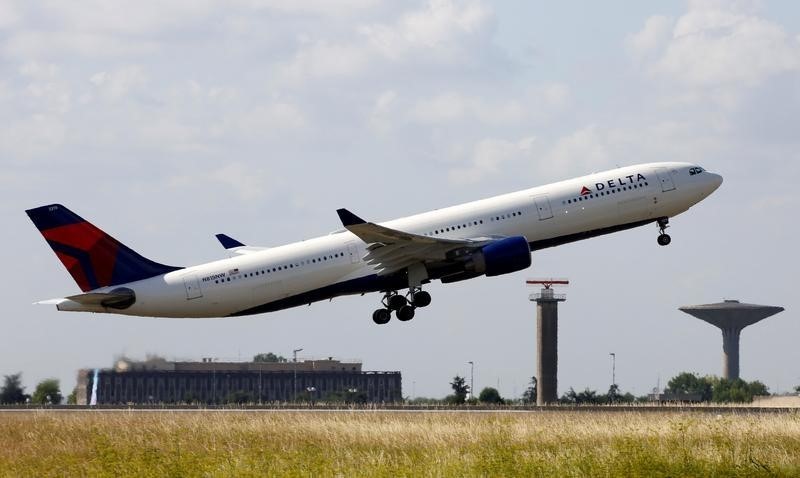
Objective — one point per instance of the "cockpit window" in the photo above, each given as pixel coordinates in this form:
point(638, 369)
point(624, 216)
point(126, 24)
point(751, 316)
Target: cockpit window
point(695, 170)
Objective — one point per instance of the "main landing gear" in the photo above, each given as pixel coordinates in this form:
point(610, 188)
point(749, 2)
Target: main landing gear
point(403, 306)
point(663, 238)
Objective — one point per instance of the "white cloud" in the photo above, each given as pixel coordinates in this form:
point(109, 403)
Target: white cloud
point(452, 107)
point(322, 59)
point(53, 45)
point(441, 27)
point(33, 136)
point(656, 32)
point(142, 17)
point(268, 120)
point(315, 7)
point(487, 157)
point(449, 31)
point(584, 150)
point(6, 93)
point(243, 180)
point(443, 108)
point(9, 16)
point(505, 109)
point(718, 44)
point(548, 96)
point(119, 83)
point(163, 133)
point(381, 117)
point(247, 182)
point(44, 91)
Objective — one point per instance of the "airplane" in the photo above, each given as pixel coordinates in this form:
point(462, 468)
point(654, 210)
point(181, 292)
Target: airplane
point(489, 237)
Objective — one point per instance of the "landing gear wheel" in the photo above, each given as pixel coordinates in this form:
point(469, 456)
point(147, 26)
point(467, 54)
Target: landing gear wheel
point(405, 313)
point(663, 238)
point(421, 299)
point(381, 316)
point(396, 302)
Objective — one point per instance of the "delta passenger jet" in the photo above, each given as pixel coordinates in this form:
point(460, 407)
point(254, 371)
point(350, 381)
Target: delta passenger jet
point(489, 237)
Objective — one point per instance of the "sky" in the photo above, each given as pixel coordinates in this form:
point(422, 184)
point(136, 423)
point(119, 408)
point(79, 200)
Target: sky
point(165, 123)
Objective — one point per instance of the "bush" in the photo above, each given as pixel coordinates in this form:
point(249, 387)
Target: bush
point(490, 395)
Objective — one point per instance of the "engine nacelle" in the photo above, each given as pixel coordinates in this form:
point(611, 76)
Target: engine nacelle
point(507, 255)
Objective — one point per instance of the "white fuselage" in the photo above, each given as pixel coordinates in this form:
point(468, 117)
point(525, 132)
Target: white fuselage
point(545, 216)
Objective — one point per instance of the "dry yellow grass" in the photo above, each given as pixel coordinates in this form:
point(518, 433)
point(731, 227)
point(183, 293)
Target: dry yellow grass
point(397, 444)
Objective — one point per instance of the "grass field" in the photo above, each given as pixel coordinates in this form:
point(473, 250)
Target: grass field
point(560, 443)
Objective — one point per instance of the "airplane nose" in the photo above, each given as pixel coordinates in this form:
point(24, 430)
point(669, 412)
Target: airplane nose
point(715, 182)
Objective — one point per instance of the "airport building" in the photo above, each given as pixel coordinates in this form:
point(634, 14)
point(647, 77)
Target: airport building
point(212, 382)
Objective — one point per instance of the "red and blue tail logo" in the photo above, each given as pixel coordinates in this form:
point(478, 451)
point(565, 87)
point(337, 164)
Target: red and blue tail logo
point(92, 257)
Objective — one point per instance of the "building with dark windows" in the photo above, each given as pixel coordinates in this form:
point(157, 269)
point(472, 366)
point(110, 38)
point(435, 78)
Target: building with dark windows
point(210, 382)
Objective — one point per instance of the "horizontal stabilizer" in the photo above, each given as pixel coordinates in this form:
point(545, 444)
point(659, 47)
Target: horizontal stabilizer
point(120, 298)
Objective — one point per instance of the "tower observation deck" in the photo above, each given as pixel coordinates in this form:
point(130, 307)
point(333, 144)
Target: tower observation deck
point(547, 338)
point(731, 317)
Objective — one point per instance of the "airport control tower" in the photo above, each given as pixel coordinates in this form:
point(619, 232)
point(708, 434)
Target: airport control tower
point(547, 338)
point(731, 317)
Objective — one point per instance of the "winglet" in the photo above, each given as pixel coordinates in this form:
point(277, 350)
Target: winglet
point(348, 218)
point(228, 242)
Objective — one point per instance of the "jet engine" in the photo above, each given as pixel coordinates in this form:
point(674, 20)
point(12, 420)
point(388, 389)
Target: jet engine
point(496, 258)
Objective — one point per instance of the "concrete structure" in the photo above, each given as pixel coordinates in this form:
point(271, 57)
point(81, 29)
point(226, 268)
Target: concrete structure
point(210, 382)
point(547, 340)
point(777, 401)
point(731, 317)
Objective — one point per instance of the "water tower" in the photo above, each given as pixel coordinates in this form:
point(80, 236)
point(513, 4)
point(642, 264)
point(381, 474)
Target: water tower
point(547, 338)
point(731, 317)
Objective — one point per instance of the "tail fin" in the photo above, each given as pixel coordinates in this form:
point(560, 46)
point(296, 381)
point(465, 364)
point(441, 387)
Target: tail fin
point(92, 257)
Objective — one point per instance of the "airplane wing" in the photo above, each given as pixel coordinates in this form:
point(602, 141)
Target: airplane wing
point(232, 245)
point(390, 250)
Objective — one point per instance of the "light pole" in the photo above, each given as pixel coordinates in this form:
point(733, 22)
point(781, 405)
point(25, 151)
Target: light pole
point(471, 379)
point(294, 380)
point(613, 368)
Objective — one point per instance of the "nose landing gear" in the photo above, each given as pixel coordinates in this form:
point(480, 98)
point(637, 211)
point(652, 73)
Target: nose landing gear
point(403, 306)
point(663, 237)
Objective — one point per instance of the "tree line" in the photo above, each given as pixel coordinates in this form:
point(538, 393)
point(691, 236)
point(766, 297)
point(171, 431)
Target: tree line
point(685, 386)
point(690, 386)
point(47, 392)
